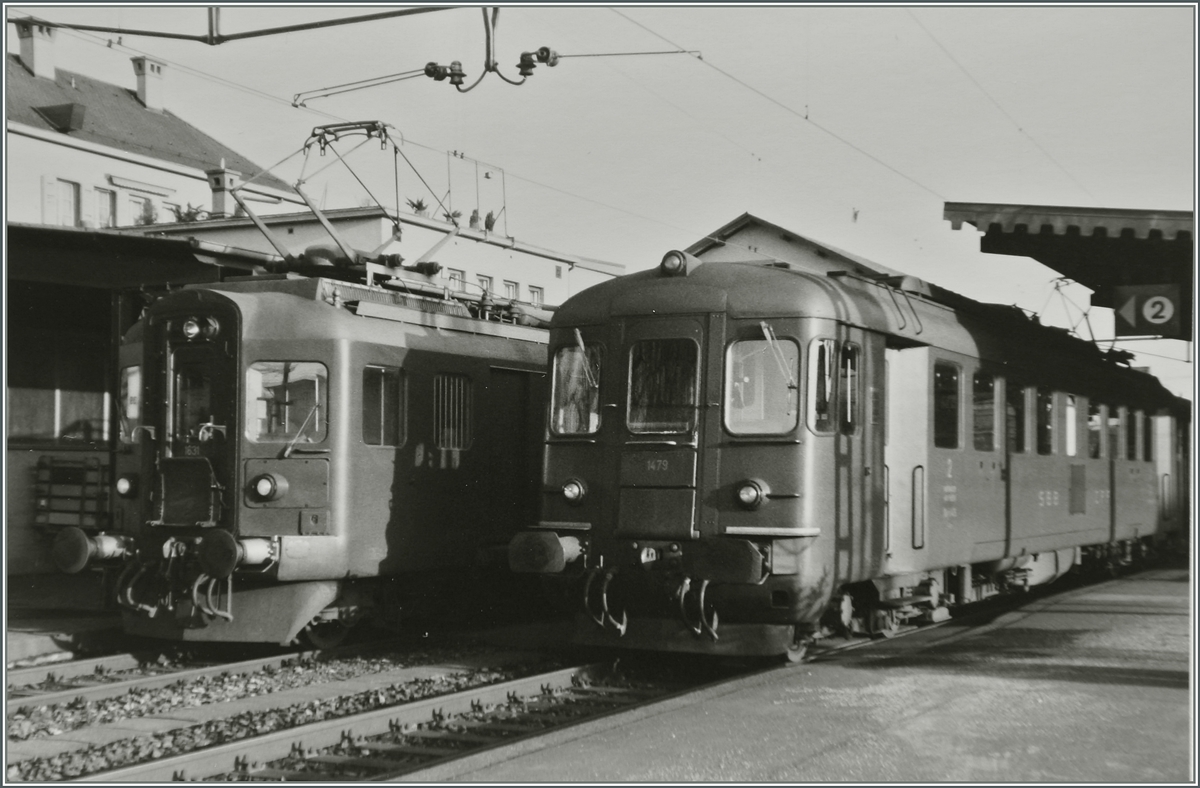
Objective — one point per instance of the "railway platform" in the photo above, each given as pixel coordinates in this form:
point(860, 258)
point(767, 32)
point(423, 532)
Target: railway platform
point(53, 616)
point(1091, 684)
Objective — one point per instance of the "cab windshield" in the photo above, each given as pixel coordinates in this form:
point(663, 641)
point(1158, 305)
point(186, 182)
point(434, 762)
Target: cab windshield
point(663, 385)
point(576, 395)
point(760, 389)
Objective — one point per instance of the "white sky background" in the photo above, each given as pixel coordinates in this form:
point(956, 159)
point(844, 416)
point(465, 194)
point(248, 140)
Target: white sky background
point(623, 158)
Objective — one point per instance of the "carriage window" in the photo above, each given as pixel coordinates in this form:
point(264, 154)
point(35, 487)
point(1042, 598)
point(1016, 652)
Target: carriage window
point(1095, 426)
point(662, 385)
point(1114, 432)
point(453, 407)
point(576, 395)
point(286, 401)
point(761, 397)
point(383, 409)
point(1132, 422)
point(1070, 425)
point(1044, 413)
point(945, 406)
point(1147, 437)
point(1014, 421)
point(849, 388)
point(984, 407)
point(129, 405)
point(820, 385)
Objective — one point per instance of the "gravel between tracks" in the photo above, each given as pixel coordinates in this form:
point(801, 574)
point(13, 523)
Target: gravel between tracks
point(47, 720)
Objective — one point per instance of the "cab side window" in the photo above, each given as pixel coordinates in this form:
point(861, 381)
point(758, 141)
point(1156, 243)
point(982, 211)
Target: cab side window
point(822, 360)
point(383, 406)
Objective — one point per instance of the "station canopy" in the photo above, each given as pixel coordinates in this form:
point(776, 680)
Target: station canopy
point(113, 260)
point(1101, 248)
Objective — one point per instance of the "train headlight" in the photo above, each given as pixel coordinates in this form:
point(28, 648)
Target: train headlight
point(752, 494)
point(196, 327)
point(127, 486)
point(268, 487)
point(574, 491)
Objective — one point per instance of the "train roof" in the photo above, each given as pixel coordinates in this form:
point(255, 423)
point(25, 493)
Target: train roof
point(301, 306)
point(908, 311)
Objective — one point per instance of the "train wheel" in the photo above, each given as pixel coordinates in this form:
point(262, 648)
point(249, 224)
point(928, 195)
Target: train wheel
point(326, 635)
point(884, 622)
point(796, 652)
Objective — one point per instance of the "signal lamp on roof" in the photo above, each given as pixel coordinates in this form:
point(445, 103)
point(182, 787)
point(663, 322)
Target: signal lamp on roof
point(676, 263)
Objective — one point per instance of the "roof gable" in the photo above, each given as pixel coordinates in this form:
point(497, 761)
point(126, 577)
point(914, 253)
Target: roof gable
point(112, 116)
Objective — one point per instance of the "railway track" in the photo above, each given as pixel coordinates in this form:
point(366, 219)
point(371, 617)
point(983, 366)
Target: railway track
point(432, 731)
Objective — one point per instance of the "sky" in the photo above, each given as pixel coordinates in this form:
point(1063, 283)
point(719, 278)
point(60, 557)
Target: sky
point(851, 125)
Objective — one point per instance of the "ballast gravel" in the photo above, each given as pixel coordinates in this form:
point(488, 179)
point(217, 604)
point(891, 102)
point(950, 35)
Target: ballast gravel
point(50, 720)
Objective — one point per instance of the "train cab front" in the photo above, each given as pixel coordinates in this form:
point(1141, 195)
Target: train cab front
point(661, 535)
point(190, 497)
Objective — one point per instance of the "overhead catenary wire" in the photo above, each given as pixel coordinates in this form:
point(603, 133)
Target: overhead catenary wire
point(1020, 129)
point(100, 41)
point(786, 108)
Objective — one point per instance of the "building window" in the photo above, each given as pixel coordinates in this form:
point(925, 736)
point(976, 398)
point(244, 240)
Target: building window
point(945, 406)
point(558, 272)
point(106, 208)
point(984, 410)
point(142, 210)
point(512, 290)
point(68, 203)
point(383, 406)
point(485, 284)
point(536, 296)
point(452, 412)
point(458, 279)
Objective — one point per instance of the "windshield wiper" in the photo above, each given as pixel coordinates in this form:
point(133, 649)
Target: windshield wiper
point(587, 367)
point(777, 352)
point(287, 451)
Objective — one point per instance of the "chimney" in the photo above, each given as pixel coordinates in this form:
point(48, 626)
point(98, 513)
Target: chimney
point(221, 181)
point(37, 47)
point(149, 81)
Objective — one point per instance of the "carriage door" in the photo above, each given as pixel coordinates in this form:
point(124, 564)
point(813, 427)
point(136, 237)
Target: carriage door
point(860, 454)
point(658, 472)
point(199, 429)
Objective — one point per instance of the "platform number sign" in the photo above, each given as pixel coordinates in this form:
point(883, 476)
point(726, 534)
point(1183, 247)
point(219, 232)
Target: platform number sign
point(1147, 310)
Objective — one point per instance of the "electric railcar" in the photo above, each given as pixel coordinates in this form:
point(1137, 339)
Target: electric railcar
point(741, 456)
point(298, 453)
